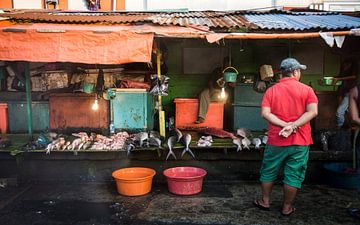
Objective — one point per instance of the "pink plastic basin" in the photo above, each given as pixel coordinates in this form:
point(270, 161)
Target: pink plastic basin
point(185, 180)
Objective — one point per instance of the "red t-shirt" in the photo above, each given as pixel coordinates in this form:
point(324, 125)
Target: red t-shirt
point(288, 100)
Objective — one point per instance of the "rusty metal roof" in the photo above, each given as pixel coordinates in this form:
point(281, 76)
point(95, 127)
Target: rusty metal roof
point(79, 17)
point(223, 20)
point(207, 18)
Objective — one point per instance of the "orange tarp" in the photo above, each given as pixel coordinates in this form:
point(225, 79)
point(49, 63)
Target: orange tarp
point(95, 44)
point(79, 44)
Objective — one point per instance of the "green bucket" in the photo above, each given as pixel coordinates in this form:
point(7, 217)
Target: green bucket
point(88, 87)
point(230, 76)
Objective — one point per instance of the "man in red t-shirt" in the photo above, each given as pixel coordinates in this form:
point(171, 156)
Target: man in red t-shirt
point(288, 106)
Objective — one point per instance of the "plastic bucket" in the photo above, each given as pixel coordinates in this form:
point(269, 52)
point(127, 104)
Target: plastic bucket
point(340, 175)
point(230, 76)
point(134, 181)
point(88, 87)
point(184, 180)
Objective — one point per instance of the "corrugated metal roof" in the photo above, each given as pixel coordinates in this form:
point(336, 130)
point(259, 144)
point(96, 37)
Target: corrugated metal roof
point(80, 17)
point(251, 20)
point(301, 22)
point(207, 18)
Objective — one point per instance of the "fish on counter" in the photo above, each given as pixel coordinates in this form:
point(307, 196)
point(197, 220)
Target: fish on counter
point(237, 142)
point(246, 143)
point(154, 142)
point(205, 141)
point(55, 145)
point(264, 139)
point(178, 134)
point(141, 137)
point(216, 132)
point(187, 140)
point(171, 142)
point(257, 142)
point(243, 132)
point(154, 134)
point(129, 147)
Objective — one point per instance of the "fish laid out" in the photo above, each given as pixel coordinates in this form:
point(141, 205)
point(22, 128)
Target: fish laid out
point(216, 132)
point(205, 141)
point(237, 142)
point(171, 142)
point(187, 140)
point(257, 142)
point(264, 139)
point(244, 133)
point(178, 134)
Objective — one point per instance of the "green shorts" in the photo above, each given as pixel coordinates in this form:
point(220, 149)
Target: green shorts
point(294, 158)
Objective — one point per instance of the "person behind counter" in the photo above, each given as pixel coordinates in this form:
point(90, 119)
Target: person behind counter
point(347, 75)
point(212, 92)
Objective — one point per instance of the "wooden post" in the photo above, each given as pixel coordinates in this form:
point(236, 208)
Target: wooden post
point(161, 112)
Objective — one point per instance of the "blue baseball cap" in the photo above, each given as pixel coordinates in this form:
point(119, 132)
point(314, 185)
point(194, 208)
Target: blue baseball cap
point(291, 64)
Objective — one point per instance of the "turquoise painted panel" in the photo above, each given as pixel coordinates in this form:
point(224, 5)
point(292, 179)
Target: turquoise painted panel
point(245, 95)
point(132, 111)
point(18, 116)
point(248, 117)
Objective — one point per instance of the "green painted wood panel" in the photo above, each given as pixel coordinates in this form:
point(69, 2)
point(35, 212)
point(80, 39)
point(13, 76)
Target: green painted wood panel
point(18, 120)
point(133, 111)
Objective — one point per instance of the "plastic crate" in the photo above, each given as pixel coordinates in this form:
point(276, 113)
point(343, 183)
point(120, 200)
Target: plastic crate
point(3, 118)
point(186, 113)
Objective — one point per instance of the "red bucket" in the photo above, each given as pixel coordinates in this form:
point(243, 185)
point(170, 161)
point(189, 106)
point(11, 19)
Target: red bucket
point(185, 180)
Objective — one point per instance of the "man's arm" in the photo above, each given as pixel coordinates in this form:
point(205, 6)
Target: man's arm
point(271, 118)
point(354, 110)
point(343, 78)
point(310, 113)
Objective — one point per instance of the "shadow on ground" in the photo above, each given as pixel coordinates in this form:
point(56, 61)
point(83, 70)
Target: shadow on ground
point(99, 204)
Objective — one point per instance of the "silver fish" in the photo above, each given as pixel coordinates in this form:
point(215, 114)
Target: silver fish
point(86, 145)
point(237, 142)
point(243, 132)
point(67, 144)
point(141, 137)
point(246, 142)
point(264, 139)
point(187, 140)
point(129, 148)
point(171, 142)
point(75, 143)
point(207, 138)
point(178, 134)
point(256, 142)
point(49, 148)
point(154, 134)
point(153, 141)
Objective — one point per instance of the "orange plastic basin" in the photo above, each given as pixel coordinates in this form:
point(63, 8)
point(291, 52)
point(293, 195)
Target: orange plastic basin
point(134, 181)
point(186, 113)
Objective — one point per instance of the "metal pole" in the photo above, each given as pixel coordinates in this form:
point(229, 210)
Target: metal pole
point(28, 97)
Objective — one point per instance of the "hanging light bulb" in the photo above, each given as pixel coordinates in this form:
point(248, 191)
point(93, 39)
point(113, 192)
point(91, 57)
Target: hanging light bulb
point(95, 105)
point(222, 94)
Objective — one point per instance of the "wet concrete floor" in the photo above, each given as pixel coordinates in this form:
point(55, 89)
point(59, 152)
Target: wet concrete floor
point(99, 204)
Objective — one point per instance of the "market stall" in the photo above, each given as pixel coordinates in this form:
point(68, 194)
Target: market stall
point(112, 47)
